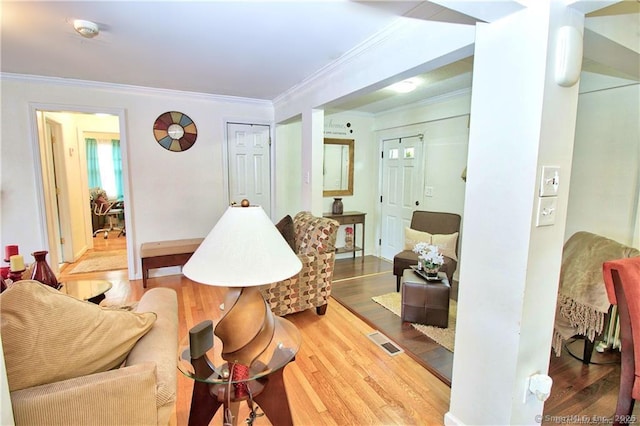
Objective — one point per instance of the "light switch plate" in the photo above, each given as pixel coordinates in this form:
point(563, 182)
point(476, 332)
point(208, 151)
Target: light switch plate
point(428, 191)
point(547, 207)
point(549, 181)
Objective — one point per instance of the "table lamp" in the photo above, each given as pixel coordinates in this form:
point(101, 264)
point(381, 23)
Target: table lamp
point(243, 251)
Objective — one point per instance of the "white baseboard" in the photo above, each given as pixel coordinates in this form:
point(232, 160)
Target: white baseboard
point(451, 420)
point(158, 272)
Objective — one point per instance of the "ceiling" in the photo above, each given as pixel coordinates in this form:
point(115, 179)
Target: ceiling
point(256, 49)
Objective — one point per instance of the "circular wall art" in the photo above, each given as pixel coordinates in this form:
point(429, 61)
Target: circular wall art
point(175, 131)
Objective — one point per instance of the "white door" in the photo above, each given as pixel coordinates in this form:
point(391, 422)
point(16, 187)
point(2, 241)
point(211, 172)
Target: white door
point(248, 148)
point(402, 183)
point(52, 173)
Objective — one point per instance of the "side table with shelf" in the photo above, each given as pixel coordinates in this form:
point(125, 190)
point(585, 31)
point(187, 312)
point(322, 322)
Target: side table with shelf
point(350, 218)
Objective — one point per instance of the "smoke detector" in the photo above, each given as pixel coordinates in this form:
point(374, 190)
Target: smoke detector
point(86, 29)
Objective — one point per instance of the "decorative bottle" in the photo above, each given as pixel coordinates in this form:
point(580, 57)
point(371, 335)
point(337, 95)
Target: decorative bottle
point(337, 206)
point(41, 270)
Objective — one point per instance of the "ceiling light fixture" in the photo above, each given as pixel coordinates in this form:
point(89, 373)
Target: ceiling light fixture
point(405, 86)
point(86, 29)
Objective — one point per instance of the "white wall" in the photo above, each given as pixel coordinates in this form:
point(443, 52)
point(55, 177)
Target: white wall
point(172, 195)
point(605, 180)
point(288, 169)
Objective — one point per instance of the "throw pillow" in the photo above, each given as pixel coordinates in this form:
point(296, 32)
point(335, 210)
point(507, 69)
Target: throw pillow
point(48, 336)
point(286, 228)
point(413, 237)
point(446, 243)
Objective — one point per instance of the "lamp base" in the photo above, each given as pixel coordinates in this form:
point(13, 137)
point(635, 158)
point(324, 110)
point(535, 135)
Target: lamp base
point(247, 326)
point(268, 392)
point(219, 383)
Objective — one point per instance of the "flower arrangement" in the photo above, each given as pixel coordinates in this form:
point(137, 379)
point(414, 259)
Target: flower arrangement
point(428, 256)
point(348, 238)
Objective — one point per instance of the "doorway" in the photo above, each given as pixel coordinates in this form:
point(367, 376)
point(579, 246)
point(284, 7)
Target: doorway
point(402, 174)
point(66, 198)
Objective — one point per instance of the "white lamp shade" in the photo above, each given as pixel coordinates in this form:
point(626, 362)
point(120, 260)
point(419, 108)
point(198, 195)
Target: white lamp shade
point(243, 249)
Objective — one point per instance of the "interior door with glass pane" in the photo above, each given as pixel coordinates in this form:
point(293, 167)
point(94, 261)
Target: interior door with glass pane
point(402, 183)
point(249, 156)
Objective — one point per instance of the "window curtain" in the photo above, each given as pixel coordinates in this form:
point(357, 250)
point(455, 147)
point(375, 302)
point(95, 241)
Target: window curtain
point(93, 163)
point(117, 167)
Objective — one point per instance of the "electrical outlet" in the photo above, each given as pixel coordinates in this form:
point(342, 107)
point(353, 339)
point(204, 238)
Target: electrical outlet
point(549, 181)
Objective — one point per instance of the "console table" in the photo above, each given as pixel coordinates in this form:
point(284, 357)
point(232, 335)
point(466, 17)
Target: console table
point(350, 218)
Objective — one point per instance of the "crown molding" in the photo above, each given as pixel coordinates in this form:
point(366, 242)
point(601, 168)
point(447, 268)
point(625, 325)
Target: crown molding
point(360, 70)
point(428, 101)
point(126, 88)
point(350, 55)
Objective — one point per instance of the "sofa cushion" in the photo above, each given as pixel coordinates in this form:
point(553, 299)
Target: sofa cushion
point(48, 336)
point(286, 228)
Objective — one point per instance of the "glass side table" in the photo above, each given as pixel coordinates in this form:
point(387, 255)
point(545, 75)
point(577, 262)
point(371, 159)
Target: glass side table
point(89, 290)
point(200, 359)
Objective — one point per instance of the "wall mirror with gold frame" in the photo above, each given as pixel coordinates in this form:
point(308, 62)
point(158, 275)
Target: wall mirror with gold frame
point(338, 167)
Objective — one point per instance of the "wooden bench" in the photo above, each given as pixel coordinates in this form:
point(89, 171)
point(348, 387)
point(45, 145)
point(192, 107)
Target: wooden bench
point(161, 254)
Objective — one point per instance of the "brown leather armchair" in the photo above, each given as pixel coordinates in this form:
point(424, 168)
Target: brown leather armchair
point(433, 223)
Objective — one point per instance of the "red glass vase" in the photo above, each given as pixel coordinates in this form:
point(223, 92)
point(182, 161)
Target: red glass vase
point(41, 270)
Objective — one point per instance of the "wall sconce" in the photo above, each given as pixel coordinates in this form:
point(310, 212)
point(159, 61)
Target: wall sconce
point(568, 56)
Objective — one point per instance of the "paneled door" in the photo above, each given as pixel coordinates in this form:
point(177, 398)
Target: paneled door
point(402, 183)
point(248, 149)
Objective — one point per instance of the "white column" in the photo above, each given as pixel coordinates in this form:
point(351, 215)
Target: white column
point(312, 157)
point(520, 120)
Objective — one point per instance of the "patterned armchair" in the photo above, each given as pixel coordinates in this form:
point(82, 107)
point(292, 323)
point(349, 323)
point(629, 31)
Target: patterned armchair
point(314, 239)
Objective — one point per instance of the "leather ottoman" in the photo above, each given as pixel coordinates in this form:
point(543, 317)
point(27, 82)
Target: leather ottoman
point(425, 302)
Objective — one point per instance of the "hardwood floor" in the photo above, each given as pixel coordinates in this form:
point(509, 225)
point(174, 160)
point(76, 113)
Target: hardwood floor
point(100, 244)
point(354, 288)
point(340, 377)
point(578, 389)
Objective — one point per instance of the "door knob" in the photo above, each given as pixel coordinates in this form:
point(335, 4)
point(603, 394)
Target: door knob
point(417, 203)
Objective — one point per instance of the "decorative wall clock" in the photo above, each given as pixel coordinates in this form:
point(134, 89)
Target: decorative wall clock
point(175, 131)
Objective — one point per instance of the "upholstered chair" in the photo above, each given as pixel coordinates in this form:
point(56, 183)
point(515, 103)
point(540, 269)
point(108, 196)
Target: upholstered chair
point(313, 240)
point(443, 227)
point(622, 281)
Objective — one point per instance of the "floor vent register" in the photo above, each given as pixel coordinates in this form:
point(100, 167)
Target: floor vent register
point(383, 341)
